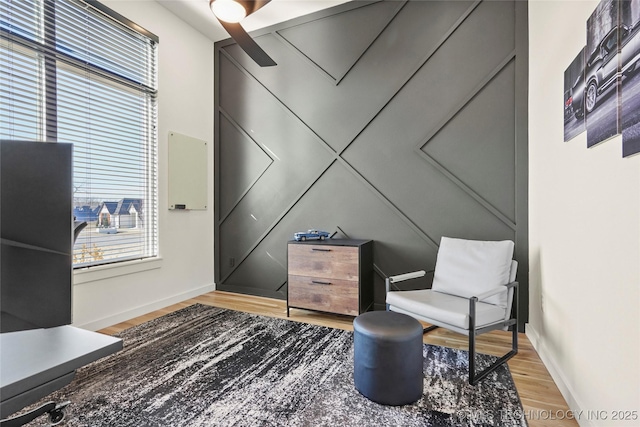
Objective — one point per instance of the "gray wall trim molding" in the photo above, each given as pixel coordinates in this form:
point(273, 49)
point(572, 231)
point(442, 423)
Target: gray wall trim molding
point(419, 147)
point(472, 94)
point(273, 225)
point(415, 71)
point(371, 142)
point(275, 97)
point(414, 227)
point(257, 178)
point(347, 6)
point(337, 79)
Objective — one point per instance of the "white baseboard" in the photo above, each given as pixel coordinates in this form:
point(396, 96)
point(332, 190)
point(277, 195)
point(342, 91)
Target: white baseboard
point(578, 411)
point(144, 309)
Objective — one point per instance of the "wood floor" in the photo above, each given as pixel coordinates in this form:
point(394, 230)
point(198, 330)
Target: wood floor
point(542, 402)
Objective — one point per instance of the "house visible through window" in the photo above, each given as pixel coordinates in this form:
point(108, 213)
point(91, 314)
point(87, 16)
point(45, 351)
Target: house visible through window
point(76, 72)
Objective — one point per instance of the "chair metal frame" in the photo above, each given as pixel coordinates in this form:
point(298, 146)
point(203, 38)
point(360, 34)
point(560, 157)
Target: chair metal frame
point(473, 331)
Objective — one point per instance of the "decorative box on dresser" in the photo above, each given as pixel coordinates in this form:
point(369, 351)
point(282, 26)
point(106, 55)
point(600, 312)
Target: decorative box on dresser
point(334, 276)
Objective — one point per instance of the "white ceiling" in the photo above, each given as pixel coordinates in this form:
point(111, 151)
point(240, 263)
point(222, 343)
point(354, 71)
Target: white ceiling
point(199, 16)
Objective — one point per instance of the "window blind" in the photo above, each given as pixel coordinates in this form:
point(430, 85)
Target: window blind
point(77, 72)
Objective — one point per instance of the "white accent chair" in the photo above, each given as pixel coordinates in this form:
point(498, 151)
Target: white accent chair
point(472, 293)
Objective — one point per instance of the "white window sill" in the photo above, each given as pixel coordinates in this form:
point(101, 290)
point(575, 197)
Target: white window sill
point(108, 271)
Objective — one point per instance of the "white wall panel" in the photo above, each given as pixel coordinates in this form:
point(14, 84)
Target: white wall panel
point(185, 105)
point(584, 234)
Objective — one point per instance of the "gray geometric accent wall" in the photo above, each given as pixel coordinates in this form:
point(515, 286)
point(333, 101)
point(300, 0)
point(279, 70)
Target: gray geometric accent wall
point(399, 122)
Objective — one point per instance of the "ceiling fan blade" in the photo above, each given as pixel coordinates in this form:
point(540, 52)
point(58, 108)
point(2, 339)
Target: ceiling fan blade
point(247, 44)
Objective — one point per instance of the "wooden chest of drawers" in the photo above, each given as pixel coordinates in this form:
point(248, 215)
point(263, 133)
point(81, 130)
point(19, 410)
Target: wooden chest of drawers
point(335, 276)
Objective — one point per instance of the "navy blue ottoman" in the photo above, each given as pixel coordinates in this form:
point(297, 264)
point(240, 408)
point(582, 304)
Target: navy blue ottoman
point(388, 357)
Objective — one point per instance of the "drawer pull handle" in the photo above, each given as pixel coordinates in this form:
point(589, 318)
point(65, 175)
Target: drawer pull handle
point(321, 250)
point(317, 282)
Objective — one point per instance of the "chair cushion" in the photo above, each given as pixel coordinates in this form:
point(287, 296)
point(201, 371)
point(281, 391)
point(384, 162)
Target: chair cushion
point(469, 267)
point(448, 309)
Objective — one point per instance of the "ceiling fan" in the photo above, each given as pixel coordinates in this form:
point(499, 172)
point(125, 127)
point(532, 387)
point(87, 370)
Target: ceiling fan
point(229, 14)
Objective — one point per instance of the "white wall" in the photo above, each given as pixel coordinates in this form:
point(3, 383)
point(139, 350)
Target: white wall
point(185, 105)
point(584, 234)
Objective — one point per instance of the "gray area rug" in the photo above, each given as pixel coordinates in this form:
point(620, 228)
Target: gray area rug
point(205, 366)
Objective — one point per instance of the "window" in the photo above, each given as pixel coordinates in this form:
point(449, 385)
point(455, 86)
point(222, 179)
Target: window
point(76, 72)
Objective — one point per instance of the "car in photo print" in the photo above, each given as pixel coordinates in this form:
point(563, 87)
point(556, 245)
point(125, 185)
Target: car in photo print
point(568, 106)
point(310, 235)
point(602, 67)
